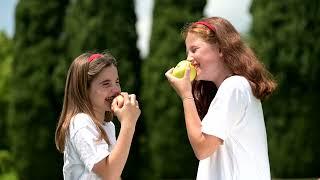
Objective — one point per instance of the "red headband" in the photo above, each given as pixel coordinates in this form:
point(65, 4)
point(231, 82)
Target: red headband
point(94, 57)
point(211, 27)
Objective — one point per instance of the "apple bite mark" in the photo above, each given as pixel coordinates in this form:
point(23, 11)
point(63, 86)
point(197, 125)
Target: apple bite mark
point(180, 70)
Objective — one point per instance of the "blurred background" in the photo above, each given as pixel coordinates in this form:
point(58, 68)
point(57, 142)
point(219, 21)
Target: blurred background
point(39, 39)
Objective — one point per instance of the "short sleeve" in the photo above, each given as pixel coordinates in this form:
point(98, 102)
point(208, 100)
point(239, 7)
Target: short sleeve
point(85, 141)
point(226, 109)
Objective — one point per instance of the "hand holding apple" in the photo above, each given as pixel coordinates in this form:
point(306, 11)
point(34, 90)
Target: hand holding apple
point(119, 100)
point(126, 108)
point(180, 70)
point(179, 79)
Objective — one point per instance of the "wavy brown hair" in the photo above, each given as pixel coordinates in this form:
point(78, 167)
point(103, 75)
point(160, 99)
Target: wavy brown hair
point(238, 57)
point(76, 95)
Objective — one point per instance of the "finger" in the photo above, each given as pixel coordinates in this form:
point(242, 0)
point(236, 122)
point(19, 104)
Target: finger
point(114, 102)
point(132, 99)
point(125, 97)
point(114, 106)
point(124, 93)
point(169, 75)
point(137, 104)
point(187, 74)
point(169, 72)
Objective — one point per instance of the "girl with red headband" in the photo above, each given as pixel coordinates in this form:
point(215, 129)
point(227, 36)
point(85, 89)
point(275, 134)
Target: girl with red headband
point(222, 107)
point(85, 133)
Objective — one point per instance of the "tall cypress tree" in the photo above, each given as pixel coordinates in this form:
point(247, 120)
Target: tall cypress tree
point(106, 25)
point(6, 58)
point(170, 153)
point(6, 46)
point(33, 106)
point(286, 35)
point(109, 25)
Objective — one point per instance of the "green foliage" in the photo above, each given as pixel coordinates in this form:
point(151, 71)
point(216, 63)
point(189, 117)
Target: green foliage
point(33, 105)
point(109, 25)
point(105, 25)
point(286, 35)
point(6, 160)
point(7, 171)
point(5, 73)
point(9, 176)
point(170, 153)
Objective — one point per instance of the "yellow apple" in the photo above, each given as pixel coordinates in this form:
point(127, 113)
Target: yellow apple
point(180, 70)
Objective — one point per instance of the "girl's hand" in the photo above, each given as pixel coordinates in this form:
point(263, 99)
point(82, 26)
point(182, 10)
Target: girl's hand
point(181, 86)
point(119, 101)
point(129, 113)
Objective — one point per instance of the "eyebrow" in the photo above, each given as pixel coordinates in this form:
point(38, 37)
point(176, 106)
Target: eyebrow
point(107, 80)
point(104, 81)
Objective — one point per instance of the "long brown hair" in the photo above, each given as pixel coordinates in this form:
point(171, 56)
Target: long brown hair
point(76, 96)
point(237, 56)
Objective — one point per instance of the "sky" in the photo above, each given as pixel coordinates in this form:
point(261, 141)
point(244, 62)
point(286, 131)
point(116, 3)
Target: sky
point(236, 11)
point(7, 16)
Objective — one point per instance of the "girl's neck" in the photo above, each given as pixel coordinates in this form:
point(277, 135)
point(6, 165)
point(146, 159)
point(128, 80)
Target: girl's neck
point(100, 116)
point(224, 74)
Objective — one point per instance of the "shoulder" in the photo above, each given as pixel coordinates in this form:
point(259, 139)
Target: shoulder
point(238, 83)
point(235, 87)
point(80, 121)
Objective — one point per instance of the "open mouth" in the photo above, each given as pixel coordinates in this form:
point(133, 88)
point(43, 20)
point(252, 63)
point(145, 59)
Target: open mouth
point(196, 66)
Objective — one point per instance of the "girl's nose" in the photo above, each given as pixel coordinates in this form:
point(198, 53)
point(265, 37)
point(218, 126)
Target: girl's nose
point(116, 89)
point(190, 59)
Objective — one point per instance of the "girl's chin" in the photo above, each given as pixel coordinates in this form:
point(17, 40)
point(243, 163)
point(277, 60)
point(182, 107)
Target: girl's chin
point(107, 106)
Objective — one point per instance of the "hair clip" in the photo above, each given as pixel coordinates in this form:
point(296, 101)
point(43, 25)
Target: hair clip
point(94, 57)
point(211, 27)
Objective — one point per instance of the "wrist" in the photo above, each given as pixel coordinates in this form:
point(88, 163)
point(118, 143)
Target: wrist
point(128, 125)
point(186, 95)
point(187, 98)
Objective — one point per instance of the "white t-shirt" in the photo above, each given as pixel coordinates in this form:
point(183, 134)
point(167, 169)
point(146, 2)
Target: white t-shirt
point(82, 150)
point(235, 115)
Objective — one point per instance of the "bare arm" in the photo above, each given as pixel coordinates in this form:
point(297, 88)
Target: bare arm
point(202, 144)
point(112, 166)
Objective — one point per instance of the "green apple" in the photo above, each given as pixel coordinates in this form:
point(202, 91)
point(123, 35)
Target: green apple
point(180, 70)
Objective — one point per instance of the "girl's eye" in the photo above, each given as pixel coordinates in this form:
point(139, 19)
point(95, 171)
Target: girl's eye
point(193, 50)
point(106, 84)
